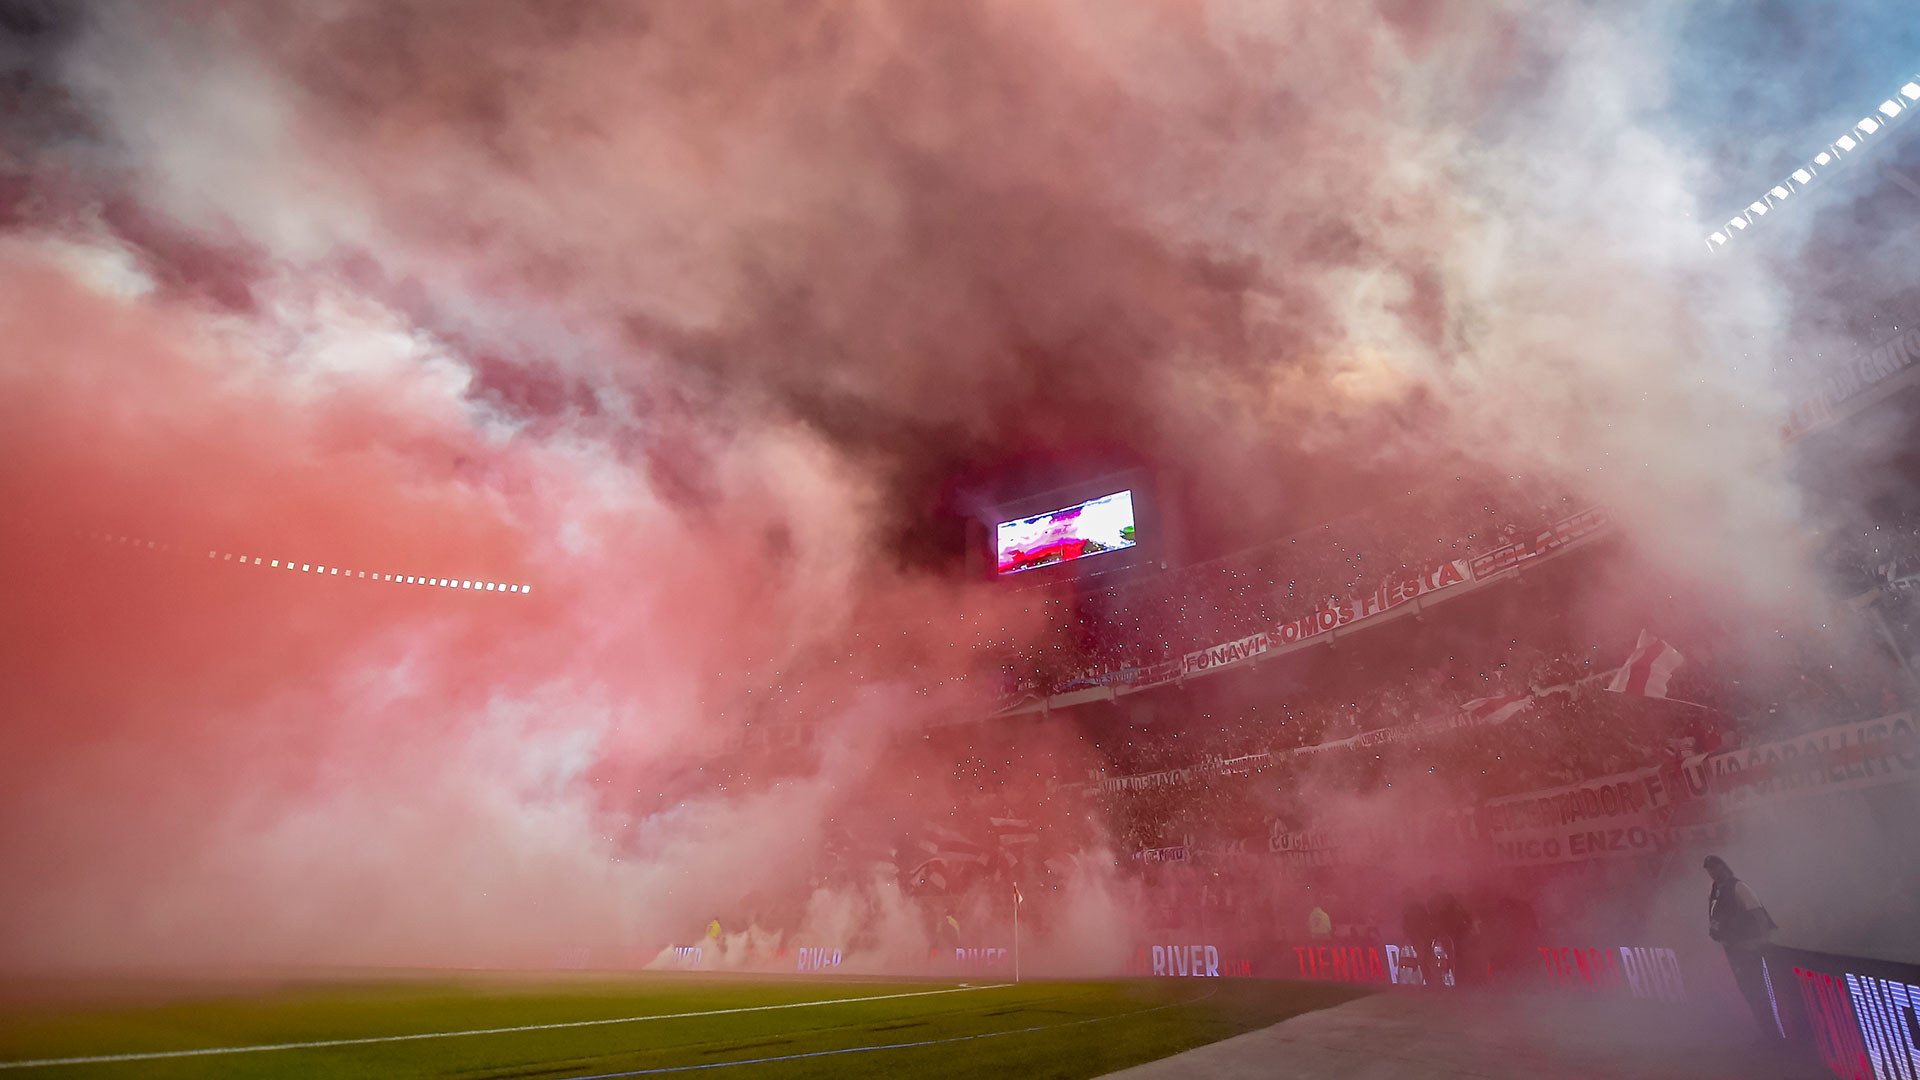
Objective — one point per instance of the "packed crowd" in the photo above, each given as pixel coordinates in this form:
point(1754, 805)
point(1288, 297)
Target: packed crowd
point(1877, 555)
point(1207, 766)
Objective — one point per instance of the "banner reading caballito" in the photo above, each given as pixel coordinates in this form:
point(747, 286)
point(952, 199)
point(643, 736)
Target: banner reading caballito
point(1844, 757)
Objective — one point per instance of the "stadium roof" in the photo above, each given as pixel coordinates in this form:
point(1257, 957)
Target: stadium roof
point(1870, 129)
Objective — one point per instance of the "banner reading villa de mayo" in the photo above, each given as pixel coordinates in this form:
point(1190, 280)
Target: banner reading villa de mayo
point(1568, 530)
point(1844, 757)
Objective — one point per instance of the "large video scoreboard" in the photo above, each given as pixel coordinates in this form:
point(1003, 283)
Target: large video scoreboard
point(1093, 526)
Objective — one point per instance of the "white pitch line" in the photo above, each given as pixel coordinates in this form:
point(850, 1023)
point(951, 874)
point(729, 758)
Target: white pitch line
point(319, 1043)
point(892, 1046)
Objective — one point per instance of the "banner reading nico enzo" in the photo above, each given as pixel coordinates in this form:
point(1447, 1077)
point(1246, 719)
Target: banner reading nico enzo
point(1623, 814)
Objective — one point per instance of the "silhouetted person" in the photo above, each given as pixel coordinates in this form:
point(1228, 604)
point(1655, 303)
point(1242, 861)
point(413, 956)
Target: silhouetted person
point(1417, 922)
point(1453, 926)
point(1740, 923)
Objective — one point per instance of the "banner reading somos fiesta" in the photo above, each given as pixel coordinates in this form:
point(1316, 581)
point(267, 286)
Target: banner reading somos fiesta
point(1391, 594)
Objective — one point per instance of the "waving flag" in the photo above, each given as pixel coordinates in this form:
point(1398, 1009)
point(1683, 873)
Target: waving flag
point(1647, 671)
point(1011, 832)
point(1497, 709)
point(950, 845)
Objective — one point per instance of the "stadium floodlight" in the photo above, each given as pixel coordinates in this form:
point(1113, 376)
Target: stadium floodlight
point(1889, 111)
point(1718, 238)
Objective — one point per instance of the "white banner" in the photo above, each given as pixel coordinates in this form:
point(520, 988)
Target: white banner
point(1623, 814)
point(1390, 595)
point(1863, 372)
point(1844, 757)
point(1603, 800)
point(1567, 530)
point(1163, 778)
point(1335, 615)
point(1433, 725)
point(1232, 652)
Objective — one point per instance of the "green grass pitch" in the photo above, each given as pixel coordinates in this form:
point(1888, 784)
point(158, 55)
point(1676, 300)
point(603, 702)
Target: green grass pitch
point(626, 1023)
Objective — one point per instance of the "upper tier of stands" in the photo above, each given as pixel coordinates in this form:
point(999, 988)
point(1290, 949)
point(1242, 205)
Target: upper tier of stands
point(1161, 616)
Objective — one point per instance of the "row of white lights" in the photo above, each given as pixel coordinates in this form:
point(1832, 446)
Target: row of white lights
point(398, 579)
point(1837, 151)
point(329, 571)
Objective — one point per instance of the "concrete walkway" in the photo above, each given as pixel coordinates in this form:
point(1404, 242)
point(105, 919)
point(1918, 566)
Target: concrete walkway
point(1485, 1036)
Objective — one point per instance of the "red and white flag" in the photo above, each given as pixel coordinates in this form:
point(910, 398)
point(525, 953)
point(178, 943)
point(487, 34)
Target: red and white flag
point(1497, 709)
point(1646, 672)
